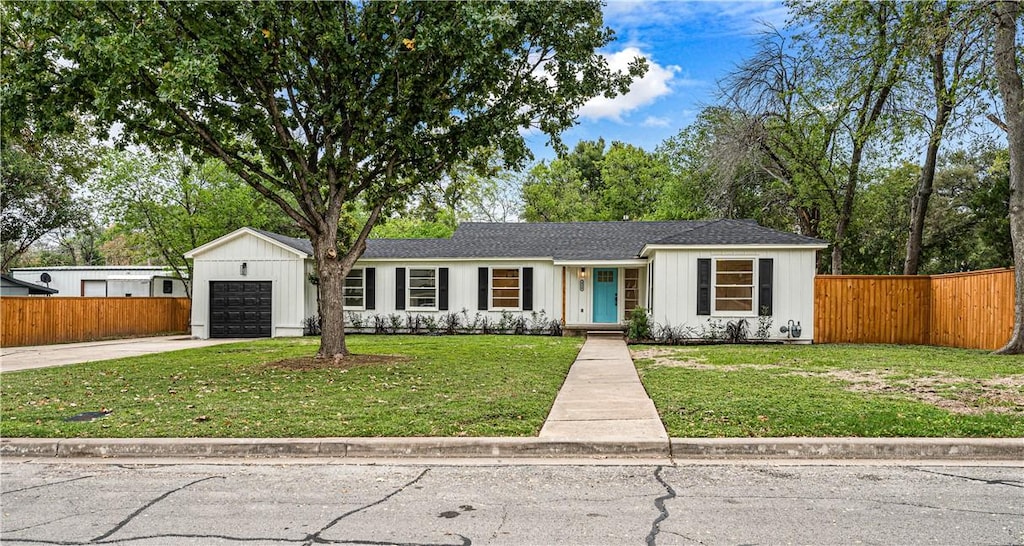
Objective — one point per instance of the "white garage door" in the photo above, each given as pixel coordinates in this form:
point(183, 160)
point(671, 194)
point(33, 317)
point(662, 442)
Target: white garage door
point(95, 289)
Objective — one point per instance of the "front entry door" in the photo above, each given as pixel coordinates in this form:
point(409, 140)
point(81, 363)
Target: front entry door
point(606, 295)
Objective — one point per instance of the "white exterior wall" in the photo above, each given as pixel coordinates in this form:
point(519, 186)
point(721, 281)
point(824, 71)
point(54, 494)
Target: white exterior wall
point(67, 280)
point(462, 286)
point(674, 292)
point(264, 262)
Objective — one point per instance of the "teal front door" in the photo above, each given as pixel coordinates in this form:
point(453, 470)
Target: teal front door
point(606, 295)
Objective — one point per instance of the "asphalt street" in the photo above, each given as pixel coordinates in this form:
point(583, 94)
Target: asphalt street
point(425, 504)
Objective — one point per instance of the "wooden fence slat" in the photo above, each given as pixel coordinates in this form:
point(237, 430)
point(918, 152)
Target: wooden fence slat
point(47, 320)
point(971, 310)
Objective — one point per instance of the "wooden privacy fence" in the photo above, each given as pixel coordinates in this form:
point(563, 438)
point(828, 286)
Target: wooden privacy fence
point(971, 310)
point(46, 320)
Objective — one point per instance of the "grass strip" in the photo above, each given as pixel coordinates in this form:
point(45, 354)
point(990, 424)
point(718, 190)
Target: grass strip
point(834, 390)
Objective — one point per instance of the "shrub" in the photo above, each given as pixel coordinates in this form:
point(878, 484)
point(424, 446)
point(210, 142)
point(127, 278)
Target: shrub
point(311, 326)
point(639, 328)
point(736, 331)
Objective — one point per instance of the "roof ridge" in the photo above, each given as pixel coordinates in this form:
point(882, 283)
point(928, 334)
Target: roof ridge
point(691, 229)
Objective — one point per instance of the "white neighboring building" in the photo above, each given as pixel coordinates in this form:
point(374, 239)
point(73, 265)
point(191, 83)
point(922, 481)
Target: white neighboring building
point(136, 281)
point(588, 275)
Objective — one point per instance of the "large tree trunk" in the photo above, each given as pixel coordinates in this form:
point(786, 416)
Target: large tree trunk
point(919, 204)
point(331, 272)
point(943, 111)
point(846, 211)
point(1012, 90)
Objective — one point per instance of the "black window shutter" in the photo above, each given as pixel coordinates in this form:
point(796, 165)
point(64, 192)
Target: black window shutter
point(370, 291)
point(764, 281)
point(481, 290)
point(400, 288)
point(442, 289)
point(703, 286)
point(527, 289)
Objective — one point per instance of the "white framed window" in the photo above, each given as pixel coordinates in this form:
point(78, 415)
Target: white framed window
point(506, 287)
point(631, 289)
point(734, 286)
point(355, 290)
point(422, 289)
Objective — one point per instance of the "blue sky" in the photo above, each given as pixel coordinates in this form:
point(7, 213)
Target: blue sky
point(689, 46)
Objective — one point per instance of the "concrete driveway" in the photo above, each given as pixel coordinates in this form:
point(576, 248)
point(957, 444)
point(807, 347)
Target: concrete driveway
point(13, 359)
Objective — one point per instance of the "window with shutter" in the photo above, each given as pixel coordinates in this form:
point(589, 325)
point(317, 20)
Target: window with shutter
point(422, 289)
point(505, 287)
point(354, 290)
point(734, 286)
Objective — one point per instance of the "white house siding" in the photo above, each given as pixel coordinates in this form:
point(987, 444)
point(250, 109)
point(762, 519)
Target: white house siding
point(462, 286)
point(264, 262)
point(674, 295)
point(311, 308)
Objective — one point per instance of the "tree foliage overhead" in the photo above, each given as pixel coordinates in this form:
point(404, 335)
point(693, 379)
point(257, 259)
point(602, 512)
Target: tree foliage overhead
point(173, 205)
point(592, 183)
point(38, 178)
point(323, 107)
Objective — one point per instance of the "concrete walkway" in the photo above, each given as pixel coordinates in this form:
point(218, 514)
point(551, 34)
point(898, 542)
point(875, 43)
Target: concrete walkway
point(602, 399)
point(13, 359)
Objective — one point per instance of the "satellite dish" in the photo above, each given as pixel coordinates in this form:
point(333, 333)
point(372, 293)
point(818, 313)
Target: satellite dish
point(45, 277)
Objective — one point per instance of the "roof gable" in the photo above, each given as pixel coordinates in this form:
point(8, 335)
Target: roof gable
point(298, 247)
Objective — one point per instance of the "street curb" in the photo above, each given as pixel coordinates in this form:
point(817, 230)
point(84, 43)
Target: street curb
point(355, 448)
point(958, 449)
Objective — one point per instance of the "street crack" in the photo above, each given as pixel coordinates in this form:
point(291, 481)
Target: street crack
point(45, 485)
point(149, 504)
point(316, 537)
point(659, 503)
point(1009, 483)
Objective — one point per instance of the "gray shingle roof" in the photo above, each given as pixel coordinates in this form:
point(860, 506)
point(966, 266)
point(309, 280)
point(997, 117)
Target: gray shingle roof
point(569, 241)
point(302, 245)
point(580, 240)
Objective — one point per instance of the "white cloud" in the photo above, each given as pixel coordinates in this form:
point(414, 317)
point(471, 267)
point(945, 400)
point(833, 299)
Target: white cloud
point(654, 84)
point(656, 121)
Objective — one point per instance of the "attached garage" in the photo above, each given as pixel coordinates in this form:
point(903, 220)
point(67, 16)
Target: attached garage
point(251, 284)
point(241, 308)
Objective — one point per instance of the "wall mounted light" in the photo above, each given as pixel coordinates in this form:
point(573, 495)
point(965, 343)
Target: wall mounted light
point(582, 276)
point(244, 270)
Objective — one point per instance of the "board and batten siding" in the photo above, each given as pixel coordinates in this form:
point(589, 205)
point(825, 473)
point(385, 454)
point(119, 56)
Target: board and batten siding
point(463, 286)
point(264, 262)
point(674, 291)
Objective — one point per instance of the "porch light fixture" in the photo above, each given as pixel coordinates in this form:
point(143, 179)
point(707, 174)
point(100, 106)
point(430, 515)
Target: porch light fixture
point(582, 276)
point(244, 270)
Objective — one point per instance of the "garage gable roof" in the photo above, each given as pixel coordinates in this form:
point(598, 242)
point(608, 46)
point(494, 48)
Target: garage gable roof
point(299, 247)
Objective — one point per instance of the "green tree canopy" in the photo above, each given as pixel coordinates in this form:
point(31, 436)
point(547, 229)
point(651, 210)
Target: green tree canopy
point(325, 108)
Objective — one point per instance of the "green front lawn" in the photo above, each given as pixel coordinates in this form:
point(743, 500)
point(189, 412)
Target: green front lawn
point(833, 390)
point(433, 386)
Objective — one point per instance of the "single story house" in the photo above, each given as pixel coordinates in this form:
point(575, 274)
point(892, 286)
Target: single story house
point(9, 286)
point(588, 275)
point(135, 281)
